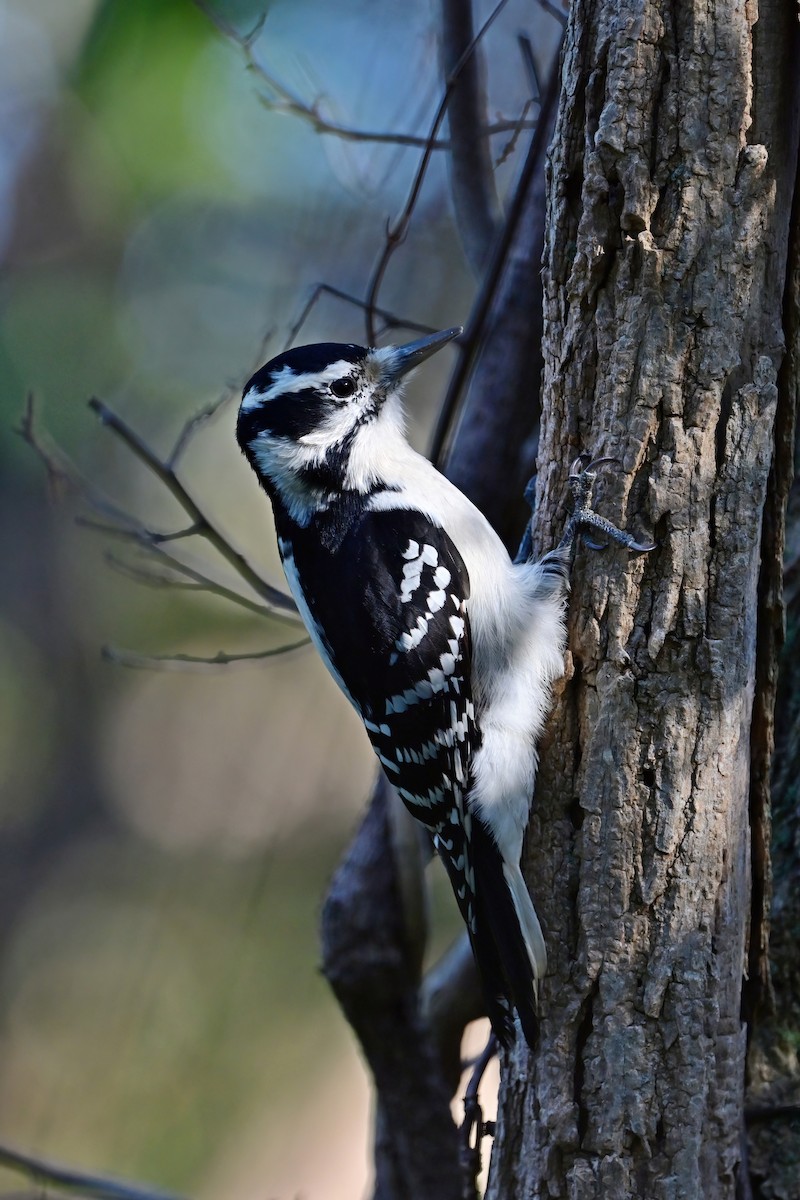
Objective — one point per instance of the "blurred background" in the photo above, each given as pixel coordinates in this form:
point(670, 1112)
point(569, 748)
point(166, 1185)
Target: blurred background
point(166, 836)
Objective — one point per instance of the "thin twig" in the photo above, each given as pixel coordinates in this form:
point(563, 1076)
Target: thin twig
point(153, 544)
point(163, 472)
point(511, 144)
point(130, 658)
point(118, 524)
point(150, 578)
point(526, 50)
point(195, 424)
point(97, 1186)
point(397, 230)
point(194, 580)
point(64, 476)
point(390, 320)
point(287, 101)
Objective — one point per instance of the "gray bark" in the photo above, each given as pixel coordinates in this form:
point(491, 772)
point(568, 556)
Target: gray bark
point(664, 268)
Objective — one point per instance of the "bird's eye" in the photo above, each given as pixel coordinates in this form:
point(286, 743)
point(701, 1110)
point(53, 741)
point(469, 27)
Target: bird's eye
point(343, 387)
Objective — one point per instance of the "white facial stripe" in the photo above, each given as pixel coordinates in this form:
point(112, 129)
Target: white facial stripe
point(335, 428)
point(287, 382)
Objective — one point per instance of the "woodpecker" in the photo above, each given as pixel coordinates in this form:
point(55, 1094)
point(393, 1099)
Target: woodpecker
point(446, 648)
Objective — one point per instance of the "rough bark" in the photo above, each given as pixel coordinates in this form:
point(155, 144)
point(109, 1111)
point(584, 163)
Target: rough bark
point(665, 256)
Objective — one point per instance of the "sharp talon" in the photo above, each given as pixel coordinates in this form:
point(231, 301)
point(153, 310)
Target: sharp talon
point(599, 462)
point(642, 547)
point(584, 518)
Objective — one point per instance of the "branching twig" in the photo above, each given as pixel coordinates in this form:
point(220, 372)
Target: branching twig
point(390, 320)
point(197, 580)
point(121, 525)
point(511, 144)
point(397, 230)
point(67, 1179)
point(195, 424)
point(130, 658)
point(200, 523)
point(284, 100)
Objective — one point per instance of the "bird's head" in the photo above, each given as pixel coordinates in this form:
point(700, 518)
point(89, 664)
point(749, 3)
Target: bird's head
point(320, 420)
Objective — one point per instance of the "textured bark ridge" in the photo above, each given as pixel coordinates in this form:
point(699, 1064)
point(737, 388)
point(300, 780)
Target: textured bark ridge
point(663, 281)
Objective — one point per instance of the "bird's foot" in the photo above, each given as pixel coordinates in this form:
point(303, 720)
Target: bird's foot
point(584, 519)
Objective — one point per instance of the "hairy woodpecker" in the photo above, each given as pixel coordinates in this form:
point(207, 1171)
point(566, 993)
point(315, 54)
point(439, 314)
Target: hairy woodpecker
point(445, 647)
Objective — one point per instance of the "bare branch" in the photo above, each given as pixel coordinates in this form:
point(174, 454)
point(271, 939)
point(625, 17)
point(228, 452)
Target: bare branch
point(152, 543)
point(526, 49)
point(130, 658)
point(63, 476)
point(203, 527)
point(475, 332)
point(390, 320)
point(511, 144)
point(371, 960)
point(396, 232)
point(196, 423)
point(200, 419)
point(284, 100)
point(472, 181)
point(67, 1179)
point(194, 580)
point(151, 578)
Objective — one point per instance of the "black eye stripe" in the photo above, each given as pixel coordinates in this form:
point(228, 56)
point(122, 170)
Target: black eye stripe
point(292, 415)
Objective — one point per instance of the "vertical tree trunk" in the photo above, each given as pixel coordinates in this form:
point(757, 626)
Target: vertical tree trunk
point(665, 262)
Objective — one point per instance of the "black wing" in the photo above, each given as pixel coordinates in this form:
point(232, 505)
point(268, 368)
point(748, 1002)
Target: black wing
point(389, 600)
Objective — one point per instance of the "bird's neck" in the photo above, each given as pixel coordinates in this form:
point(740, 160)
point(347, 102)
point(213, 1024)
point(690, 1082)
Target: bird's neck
point(308, 480)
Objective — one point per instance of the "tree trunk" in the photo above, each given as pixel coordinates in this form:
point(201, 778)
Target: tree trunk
point(665, 265)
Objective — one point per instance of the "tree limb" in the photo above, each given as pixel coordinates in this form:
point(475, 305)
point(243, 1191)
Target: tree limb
point(284, 100)
point(499, 366)
point(65, 1178)
point(130, 658)
point(397, 230)
point(371, 958)
point(201, 525)
point(472, 180)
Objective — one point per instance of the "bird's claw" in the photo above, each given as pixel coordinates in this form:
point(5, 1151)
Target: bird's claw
point(581, 478)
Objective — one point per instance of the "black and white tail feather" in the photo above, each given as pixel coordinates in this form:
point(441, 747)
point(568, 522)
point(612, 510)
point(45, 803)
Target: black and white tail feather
point(447, 649)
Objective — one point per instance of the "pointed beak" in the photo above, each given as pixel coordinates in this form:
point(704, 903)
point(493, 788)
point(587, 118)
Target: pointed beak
point(400, 360)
